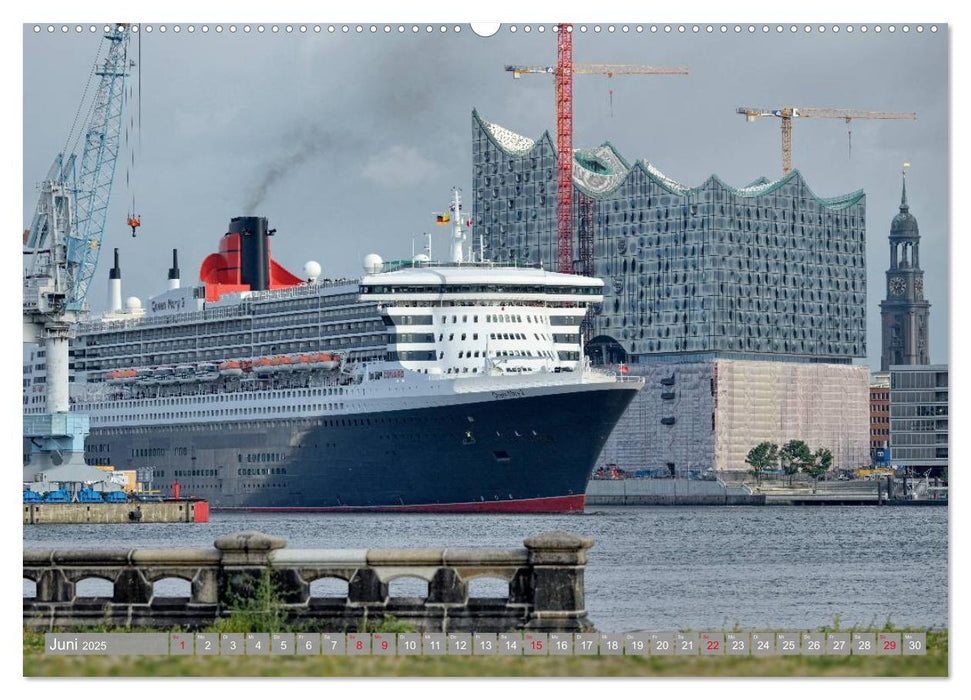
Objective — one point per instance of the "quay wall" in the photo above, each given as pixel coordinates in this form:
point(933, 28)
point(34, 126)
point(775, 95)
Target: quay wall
point(673, 492)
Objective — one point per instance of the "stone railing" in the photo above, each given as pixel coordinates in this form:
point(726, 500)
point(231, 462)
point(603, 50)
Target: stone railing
point(545, 585)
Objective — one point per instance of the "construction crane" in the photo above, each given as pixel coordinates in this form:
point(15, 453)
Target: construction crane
point(787, 114)
point(61, 250)
point(563, 73)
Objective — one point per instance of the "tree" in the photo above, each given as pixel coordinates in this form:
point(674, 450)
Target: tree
point(820, 463)
point(793, 455)
point(763, 456)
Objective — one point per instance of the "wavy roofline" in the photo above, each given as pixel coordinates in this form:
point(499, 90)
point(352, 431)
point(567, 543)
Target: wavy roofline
point(758, 187)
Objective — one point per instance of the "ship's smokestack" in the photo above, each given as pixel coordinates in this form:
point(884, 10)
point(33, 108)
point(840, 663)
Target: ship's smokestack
point(254, 250)
point(114, 286)
point(175, 280)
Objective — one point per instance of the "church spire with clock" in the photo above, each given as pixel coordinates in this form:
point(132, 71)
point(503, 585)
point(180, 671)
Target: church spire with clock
point(904, 313)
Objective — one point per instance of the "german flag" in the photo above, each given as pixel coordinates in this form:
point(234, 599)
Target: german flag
point(443, 219)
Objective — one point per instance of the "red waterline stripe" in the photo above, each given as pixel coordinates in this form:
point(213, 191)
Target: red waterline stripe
point(554, 504)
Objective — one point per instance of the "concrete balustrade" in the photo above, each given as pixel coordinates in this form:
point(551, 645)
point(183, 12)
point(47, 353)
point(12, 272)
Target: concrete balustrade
point(545, 585)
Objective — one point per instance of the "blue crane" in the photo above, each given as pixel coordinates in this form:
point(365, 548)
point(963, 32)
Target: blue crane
point(61, 250)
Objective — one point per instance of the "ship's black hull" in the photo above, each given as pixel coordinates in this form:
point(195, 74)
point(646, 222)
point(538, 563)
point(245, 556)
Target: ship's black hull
point(529, 453)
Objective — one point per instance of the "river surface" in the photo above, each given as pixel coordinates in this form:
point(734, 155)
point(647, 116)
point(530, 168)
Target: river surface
point(652, 568)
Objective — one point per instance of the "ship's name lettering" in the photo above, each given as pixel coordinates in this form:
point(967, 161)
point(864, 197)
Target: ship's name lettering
point(508, 394)
point(168, 305)
point(394, 374)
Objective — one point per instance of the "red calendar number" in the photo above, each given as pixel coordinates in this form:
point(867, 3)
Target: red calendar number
point(713, 645)
point(889, 645)
point(359, 645)
point(384, 646)
point(537, 644)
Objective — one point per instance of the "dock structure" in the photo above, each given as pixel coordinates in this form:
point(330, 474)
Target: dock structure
point(669, 492)
point(544, 579)
point(167, 511)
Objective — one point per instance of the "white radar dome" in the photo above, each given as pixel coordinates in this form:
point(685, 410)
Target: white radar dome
point(311, 270)
point(421, 258)
point(373, 263)
point(133, 303)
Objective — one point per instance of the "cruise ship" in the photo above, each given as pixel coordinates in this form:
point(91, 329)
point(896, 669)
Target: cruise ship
point(445, 387)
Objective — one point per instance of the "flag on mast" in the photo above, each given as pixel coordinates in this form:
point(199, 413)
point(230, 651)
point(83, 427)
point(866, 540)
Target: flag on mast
point(443, 219)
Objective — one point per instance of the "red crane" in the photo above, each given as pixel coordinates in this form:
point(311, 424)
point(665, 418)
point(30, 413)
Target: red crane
point(563, 74)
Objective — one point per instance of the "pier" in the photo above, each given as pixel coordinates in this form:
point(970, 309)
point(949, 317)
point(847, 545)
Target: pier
point(669, 492)
point(544, 580)
point(170, 511)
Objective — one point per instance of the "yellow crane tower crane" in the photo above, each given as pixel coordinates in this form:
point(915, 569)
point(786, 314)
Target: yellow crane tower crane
point(787, 114)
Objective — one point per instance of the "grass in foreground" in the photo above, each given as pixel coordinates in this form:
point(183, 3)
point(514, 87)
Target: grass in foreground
point(933, 664)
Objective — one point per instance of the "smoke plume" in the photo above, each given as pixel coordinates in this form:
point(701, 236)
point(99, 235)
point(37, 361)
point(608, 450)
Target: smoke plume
point(301, 147)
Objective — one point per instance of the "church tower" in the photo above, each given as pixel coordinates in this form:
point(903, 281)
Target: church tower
point(904, 313)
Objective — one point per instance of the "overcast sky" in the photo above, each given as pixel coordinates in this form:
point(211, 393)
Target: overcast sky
point(349, 143)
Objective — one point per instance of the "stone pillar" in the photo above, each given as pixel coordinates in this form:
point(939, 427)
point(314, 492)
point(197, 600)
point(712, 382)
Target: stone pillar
point(131, 587)
point(244, 556)
point(556, 561)
point(447, 588)
point(53, 587)
point(365, 588)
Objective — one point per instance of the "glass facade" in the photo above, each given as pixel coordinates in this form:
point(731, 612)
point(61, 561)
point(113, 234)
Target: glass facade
point(768, 270)
point(919, 415)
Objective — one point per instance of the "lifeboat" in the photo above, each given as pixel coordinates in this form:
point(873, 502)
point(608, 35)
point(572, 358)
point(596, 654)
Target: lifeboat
point(264, 365)
point(330, 361)
point(301, 362)
point(282, 363)
point(230, 368)
point(207, 372)
point(127, 376)
point(145, 376)
point(113, 377)
point(164, 375)
point(185, 374)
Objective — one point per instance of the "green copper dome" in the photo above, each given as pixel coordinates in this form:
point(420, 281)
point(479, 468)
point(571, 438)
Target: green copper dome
point(904, 225)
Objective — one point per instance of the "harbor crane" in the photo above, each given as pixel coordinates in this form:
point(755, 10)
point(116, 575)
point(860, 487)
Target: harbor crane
point(563, 73)
point(61, 250)
point(787, 114)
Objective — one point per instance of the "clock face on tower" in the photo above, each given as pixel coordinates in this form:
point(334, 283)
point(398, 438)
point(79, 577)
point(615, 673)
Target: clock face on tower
point(897, 286)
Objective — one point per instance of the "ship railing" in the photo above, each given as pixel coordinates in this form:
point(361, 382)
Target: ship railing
point(544, 585)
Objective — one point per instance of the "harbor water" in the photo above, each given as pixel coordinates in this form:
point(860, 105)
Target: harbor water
point(652, 568)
